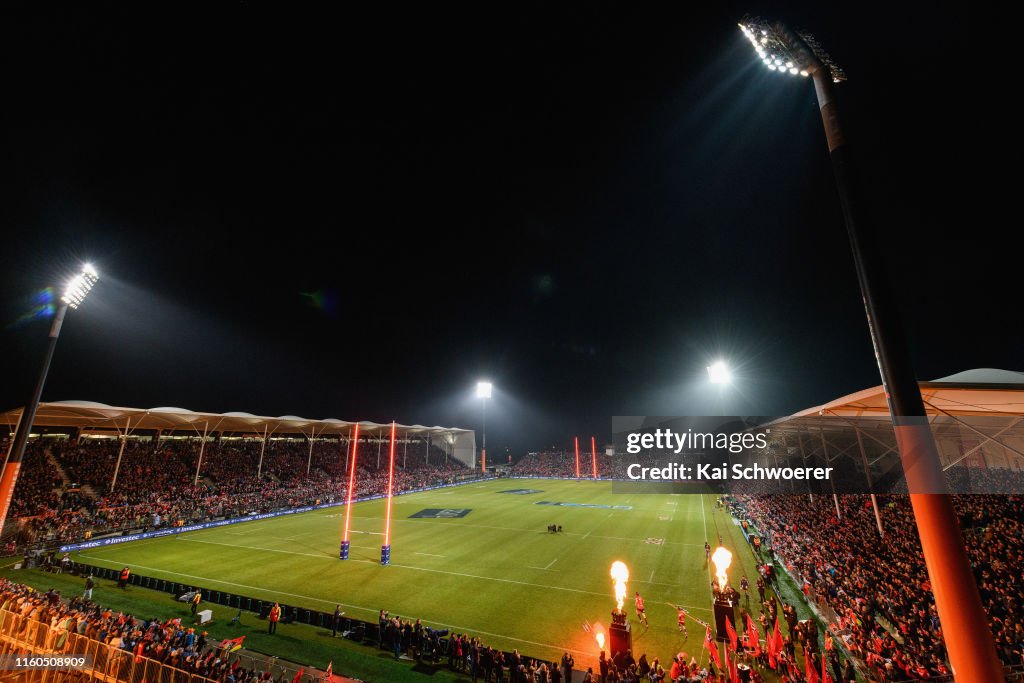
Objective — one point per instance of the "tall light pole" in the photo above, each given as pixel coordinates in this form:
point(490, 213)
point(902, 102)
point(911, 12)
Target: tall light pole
point(965, 628)
point(75, 292)
point(483, 392)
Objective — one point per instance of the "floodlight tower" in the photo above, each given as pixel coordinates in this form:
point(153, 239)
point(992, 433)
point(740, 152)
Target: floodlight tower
point(75, 292)
point(968, 638)
point(483, 392)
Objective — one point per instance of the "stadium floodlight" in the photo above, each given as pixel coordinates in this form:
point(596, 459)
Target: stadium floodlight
point(718, 373)
point(966, 631)
point(775, 46)
point(75, 292)
point(484, 389)
point(79, 286)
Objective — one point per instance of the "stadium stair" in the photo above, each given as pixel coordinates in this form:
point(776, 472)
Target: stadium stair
point(57, 468)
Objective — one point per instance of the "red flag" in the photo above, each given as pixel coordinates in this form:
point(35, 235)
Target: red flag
point(774, 645)
point(734, 673)
point(232, 644)
point(752, 637)
point(329, 673)
point(731, 632)
point(712, 647)
point(298, 675)
point(825, 678)
point(812, 675)
point(777, 643)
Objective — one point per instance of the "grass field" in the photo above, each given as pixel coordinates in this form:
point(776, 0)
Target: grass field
point(495, 572)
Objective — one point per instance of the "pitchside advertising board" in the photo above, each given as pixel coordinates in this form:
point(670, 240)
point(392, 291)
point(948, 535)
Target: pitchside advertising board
point(817, 454)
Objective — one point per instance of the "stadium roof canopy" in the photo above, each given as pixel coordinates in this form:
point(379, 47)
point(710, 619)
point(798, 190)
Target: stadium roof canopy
point(91, 416)
point(974, 392)
point(975, 414)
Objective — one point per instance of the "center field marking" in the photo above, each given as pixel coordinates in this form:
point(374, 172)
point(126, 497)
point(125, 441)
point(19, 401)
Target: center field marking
point(430, 554)
point(345, 604)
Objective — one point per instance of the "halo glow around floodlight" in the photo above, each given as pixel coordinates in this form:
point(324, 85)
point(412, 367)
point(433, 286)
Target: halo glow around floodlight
point(484, 389)
point(718, 373)
point(78, 287)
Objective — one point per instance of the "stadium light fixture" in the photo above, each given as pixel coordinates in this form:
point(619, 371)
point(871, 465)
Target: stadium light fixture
point(75, 291)
point(484, 389)
point(967, 635)
point(719, 373)
point(79, 286)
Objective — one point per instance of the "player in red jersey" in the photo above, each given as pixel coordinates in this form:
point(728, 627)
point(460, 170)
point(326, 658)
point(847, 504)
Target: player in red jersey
point(682, 620)
point(640, 613)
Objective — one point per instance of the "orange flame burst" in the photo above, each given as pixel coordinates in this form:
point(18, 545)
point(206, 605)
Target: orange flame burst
point(721, 558)
point(620, 574)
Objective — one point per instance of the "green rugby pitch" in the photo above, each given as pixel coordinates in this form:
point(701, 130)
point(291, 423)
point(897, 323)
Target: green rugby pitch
point(496, 572)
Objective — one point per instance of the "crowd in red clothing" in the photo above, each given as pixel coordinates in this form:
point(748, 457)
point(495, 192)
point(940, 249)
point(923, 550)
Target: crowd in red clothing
point(878, 588)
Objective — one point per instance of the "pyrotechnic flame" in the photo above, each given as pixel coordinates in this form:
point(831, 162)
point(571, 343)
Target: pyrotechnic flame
point(600, 640)
point(620, 573)
point(721, 558)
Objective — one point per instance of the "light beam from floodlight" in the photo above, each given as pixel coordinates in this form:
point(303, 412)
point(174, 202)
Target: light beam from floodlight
point(75, 291)
point(967, 635)
point(718, 373)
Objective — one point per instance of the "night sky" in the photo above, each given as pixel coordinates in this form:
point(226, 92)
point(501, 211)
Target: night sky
point(359, 214)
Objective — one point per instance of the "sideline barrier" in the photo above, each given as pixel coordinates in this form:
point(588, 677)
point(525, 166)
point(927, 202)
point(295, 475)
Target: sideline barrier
point(363, 632)
point(22, 636)
point(114, 540)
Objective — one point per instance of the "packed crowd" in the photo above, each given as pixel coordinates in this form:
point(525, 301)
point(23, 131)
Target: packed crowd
point(562, 464)
point(155, 485)
point(878, 591)
point(462, 652)
point(168, 642)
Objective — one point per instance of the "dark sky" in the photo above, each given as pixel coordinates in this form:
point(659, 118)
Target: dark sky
point(358, 214)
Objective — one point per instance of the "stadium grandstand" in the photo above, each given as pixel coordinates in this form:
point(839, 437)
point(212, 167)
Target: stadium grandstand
point(95, 469)
point(853, 560)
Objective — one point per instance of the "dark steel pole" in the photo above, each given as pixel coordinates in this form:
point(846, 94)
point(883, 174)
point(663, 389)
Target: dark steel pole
point(966, 632)
point(13, 465)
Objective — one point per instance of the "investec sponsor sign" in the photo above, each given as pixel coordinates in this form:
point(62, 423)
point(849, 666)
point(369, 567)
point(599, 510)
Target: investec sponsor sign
point(114, 540)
